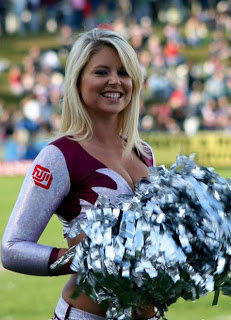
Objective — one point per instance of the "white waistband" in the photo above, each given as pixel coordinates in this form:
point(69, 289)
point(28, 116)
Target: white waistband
point(74, 314)
point(63, 308)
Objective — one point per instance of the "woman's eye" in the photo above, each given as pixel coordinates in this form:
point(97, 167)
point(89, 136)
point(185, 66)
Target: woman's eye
point(101, 72)
point(123, 73)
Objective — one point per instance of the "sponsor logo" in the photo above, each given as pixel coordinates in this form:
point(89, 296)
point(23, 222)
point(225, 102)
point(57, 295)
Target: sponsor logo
point(42, 177)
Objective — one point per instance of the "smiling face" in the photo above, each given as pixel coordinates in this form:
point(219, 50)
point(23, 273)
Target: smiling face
point(105, 87)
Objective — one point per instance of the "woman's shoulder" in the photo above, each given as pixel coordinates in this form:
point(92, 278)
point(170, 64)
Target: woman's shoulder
point(61, 140)
point(148, 154)
point(65, 143)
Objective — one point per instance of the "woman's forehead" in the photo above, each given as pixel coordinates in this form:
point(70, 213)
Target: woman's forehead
point(104, 56)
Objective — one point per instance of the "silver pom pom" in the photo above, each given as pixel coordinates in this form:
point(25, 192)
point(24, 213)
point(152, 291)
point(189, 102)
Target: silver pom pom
point(171, 239)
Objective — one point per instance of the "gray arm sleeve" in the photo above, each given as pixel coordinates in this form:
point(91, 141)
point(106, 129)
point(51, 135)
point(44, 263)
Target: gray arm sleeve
point(45, 185)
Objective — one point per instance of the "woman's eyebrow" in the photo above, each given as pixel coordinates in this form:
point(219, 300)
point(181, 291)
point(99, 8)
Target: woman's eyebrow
point(106, 67)
point(101, 66)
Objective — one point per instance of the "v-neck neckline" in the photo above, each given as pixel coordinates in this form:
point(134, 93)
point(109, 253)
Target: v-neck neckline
point(106, 167)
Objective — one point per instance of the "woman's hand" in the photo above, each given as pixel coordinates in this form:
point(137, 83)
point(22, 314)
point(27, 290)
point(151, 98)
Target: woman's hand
point(65, 256)
point(62, 252)
point(62, 265)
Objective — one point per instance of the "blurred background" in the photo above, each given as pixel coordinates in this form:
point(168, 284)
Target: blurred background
point(184, 48)
point(184, 51)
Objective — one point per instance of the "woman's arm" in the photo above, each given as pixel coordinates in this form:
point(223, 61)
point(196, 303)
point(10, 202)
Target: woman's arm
point(43, 189)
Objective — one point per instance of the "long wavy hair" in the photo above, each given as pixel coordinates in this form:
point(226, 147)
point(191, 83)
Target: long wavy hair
point(76, 121)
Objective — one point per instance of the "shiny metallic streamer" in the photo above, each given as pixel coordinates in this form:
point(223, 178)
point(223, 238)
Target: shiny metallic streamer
point(171, 239)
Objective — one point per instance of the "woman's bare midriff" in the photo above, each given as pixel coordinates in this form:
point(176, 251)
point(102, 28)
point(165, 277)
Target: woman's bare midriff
point(83, 302)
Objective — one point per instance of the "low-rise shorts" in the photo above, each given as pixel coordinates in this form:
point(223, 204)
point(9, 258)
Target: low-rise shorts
point(64, 311)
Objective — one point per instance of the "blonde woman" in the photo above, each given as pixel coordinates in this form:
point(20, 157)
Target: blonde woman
point(98, 152)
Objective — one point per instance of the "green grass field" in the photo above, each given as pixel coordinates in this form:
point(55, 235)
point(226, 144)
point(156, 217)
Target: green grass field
point(24, 297)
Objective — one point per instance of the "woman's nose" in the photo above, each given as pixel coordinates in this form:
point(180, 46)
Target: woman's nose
point(114, 79)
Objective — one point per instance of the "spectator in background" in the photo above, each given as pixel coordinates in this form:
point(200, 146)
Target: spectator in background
point(35, 21)
point(65, 40)
point(147, 123)
point(50, 10)
point(223, 114)
point(120, 26)
point(15, 80)
point(159, 86)
point(66, 13)
point(50, 60)
point(136, 37)
point(209, 114)
point(18, 7)
point(195, 31)
point(156, 50)
point(196, 99)
point(147, 27)
point(34, 56)
point(215, 86)
point(4, 7)
point(28, 75)
point(31, 115)
point(7, 122)
point(178, 104)
point(219, 46)
point(140, 9)
point(162, 115)
point(145, 59)
point(228, 82)
point(78, 7)
point(172, 33)
point(173, 53)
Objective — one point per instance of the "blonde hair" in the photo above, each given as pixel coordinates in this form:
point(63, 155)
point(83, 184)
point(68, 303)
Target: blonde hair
point(76, 121)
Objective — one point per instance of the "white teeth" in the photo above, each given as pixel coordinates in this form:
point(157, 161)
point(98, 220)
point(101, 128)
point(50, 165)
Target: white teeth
point(113, 95)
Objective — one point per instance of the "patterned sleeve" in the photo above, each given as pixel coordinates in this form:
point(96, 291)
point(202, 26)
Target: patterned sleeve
point(46, 184)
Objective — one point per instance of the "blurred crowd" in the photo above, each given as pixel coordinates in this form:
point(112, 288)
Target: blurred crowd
point(182, 92)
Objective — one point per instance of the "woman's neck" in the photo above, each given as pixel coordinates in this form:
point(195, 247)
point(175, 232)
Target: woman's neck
point(105, 133)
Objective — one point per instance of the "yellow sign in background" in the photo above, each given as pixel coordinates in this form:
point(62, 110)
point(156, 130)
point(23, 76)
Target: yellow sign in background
point(212, 149)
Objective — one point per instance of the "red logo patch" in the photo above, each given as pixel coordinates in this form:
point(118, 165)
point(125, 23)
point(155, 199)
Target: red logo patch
point(42, 176)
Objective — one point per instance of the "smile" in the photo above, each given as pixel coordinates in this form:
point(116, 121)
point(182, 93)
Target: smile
point(113, 95)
